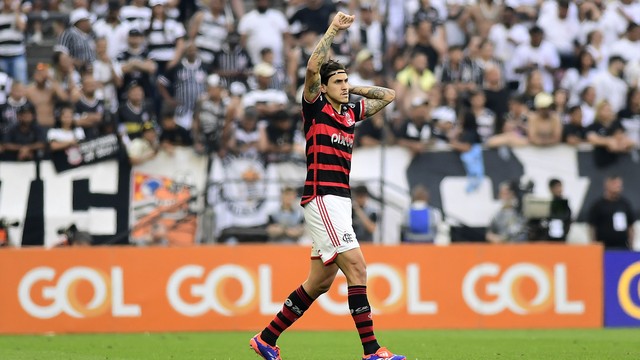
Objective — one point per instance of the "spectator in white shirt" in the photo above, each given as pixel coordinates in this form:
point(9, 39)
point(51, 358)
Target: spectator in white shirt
point(609, 84)
point(561, 30)
point(537, 54)
point(628, 47)
point(113, 30)
point(506, 36)
point(576, 79)
point(597, 48)
point(261, 28)
point(617, 17)
point(65, 134)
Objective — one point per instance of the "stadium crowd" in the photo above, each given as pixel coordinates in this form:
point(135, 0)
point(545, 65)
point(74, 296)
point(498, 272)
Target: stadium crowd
point(224, 77)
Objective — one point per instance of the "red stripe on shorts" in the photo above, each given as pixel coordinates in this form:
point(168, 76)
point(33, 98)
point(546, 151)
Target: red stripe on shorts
point(327, 222)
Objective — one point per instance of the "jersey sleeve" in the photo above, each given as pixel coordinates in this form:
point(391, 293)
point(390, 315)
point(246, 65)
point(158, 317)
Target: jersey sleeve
point(359, 110)
point(311, 109)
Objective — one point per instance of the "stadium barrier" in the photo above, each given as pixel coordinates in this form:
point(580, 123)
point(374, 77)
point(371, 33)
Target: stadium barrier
point(126, 289)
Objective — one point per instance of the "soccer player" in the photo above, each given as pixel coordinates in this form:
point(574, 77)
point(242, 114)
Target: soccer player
point(329, 121)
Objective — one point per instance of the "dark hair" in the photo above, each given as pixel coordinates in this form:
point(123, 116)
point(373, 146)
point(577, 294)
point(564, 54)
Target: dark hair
point(536, 30)
point(361, 190)
point(574, 108)
point(58, 113)
point(328, 68)
point(554, 182)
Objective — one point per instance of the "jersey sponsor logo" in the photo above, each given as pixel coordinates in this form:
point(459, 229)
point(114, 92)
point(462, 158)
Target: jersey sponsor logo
point(340, 139)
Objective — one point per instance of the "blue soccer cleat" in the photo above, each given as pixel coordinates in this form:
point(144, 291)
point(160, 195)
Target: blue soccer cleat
point(267, 351)
point(383, 354)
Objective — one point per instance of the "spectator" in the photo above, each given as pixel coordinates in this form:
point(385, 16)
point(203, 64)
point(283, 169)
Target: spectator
point(233, 62)
point(495, 93)
point(9, 110)
point(373, 132)
point(429, 42)
point(507, 35)
point(65, 73)
point(265, 99)
point(574, 133)
point(607, 135)
point(559, 222)
point(588, 105)
point(365, 73)
point(134, 65)
point(611, 217)
point(279, 79)
point(561, 29)
point(598, 49)
point(183, 84)
point(415, 133)
point(77, 40)
point(536, 55)
point(576, 79)
point(106, 74)
point(43, 93)
point(484, 14)
point(545, 127)
point(610, 86)
point(533, 87)
point(414, 79)
point(173, 135)
point(209, 29)
point(245, 137)
point(368, 35)
point(286, 225)
point(507, 225)
point(628, 47)
point(137, 15)
point(315, 15)
point(213, 118)
point(459, 71)
point(630, 116)
point(145, 147)
point(560, 104)
point(283, 147)
point(165, 38)
point(484, 118)
point(133, 113)
point(298, 57)
point(65, 134)
point(90, 111)
point(264, 27)
point(113, 30)
point(468, 142)
point(13, 25)
point(26, 138)
point(422, 220)
point(365, 216)
point(514, 128)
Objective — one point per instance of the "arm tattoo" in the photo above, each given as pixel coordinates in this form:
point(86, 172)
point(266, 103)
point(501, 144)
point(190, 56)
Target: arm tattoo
point(372, 92)
point(315, 87)
point(322, 49)
point(372, 106)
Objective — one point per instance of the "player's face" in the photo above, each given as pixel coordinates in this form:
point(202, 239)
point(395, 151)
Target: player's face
point(337, 88)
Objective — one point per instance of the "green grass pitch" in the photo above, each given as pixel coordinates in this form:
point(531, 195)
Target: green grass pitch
point(302, 345)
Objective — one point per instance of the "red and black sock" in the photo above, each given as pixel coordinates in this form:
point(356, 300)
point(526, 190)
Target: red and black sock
point(295, 305)
point(361, 313)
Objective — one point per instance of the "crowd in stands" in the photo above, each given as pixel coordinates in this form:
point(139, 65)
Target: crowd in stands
point(224, 77)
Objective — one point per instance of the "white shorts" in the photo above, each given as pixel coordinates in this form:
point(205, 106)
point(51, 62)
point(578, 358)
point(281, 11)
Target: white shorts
point(328, 221)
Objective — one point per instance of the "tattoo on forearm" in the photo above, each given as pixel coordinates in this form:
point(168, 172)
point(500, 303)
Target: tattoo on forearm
point(322, 49)
point(372, 92)
point(373, 106)
point(315, 87)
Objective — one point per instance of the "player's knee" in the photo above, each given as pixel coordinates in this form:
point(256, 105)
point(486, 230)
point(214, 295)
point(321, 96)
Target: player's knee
point(357, 273)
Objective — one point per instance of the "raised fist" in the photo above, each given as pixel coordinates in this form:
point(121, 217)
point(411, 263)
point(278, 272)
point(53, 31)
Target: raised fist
point(342, 21)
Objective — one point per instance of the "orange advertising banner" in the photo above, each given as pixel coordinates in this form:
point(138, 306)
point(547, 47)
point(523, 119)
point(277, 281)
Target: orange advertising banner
point(112, 289)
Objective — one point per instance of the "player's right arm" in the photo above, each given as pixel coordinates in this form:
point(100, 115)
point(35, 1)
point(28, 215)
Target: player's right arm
point(341, 21)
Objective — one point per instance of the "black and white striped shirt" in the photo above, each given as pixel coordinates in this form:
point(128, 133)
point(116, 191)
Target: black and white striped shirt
point(187, 82)
point(79, 45)
point(11, 39)
point(162, 37)
point(233, 60)
point(212, 34)
point(137, 17)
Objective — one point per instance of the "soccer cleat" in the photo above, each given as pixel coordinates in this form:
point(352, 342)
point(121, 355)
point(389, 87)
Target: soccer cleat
point(265, 350)
point(383, 354)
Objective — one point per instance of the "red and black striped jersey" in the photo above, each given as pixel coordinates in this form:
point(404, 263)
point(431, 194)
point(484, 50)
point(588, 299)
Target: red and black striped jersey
point(329, 136)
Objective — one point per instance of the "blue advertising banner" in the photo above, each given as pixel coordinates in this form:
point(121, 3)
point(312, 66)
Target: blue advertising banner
point(621, 289)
